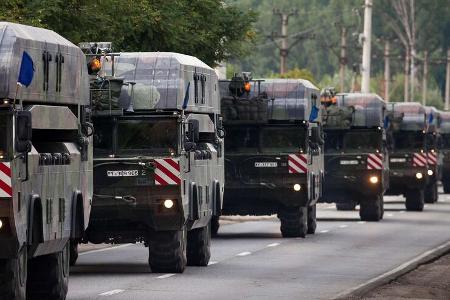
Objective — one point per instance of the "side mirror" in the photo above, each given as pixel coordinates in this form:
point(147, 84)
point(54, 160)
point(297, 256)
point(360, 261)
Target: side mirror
point(316, 136)
point(23, 131)
point(193, 131)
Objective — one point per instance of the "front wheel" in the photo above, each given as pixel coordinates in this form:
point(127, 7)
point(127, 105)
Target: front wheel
point(13, 277)
point(414, 200)
point(167, 251)
point(215, 225)
point(371, 209)
point(199, 246)
point(312, 219)
point(48, 276)
point(294, 221)
point(431, 193)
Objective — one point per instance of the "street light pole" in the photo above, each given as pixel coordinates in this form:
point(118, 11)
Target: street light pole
point(365, 82)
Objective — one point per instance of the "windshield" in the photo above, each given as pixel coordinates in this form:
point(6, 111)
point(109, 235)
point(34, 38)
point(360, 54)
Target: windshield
point(446, 141)
point(265, 139)
point(353, 141)
point(431, 140)
point(3, 136)
point(414, 140)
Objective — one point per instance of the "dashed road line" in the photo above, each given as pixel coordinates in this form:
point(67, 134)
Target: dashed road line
point(104, 249)
point(213, 263)
point(324, 231)
point(110, 293)
point(389, 215)
point(243, 253)
point(402, 212)
point(165, 276)
point(343, 226)
point(273, 245)
point(361, 222)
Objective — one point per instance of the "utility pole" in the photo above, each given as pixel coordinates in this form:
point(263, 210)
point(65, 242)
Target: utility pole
point(406, 75)
point(387, 70)
point(284, 48)
point(343, 59)
point(365, 82)
point(447, 82)
point(425, 78)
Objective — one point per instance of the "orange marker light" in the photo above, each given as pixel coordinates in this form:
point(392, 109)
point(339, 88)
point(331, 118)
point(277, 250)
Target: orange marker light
point(247, 87)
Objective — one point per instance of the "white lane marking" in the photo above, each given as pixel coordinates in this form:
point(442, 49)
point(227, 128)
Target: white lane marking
point(244, 253)
point(273, 245)
point(110, 293)
point(393, 271)
point(165, 276)
point(212, 263)
point(389, 215)
point(104, 249)
point(324, 231)
point(343, 226)
point(361, 222)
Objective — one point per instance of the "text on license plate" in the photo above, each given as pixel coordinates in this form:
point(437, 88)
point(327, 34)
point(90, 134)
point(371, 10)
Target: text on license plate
point(122, 173)
point(266, 164)
point(349, 162)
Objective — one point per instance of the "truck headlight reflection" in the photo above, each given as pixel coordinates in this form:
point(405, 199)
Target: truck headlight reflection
point(297, 187)
point(168, 203)
point(430, 173)
point(419, 175)
point(373, 179)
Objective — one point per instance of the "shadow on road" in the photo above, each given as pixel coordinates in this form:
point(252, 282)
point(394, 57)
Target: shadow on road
point(344, 219)
point(247, 235)
point(128, 268)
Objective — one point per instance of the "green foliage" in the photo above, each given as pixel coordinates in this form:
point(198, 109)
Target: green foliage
point(206, 29)
point(296, 73)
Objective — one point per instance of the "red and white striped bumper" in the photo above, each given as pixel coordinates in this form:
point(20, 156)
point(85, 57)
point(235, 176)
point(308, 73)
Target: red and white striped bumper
point(297, 163)
point(375, 161)
point(432, 158)
point(167, 171)
point(5, 180)
point(419, 160)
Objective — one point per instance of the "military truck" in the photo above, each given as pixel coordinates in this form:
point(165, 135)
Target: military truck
point(45, 160)
point(356, 156)
point(434, 155)
point(445, 150)
point(273, 151)
point(158, 155)
point(408, 156)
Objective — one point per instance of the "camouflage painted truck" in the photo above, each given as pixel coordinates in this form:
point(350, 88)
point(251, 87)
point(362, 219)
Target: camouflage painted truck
point(45, 160)
point(273, 151)
point(434, 154)
point(356, 156)
point(408, 156)
point(445, 149)
point(158, 155)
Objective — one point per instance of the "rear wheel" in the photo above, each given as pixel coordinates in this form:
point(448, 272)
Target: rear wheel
point(73, 247)
point(346, 206)
point(431, 193)
point(199, 246)
point(294, 221)
point(215, 225)
point(167, 251)
point(13, 277)
point(312, 219)
point(371, 209)
point(414, 200)
point(446, 186)
point(48, 276)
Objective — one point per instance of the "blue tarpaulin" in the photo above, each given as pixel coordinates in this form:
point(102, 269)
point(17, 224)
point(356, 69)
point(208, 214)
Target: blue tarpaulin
point(26, 70)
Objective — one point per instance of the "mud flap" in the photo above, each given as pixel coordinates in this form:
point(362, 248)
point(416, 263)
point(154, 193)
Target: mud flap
point(35, 235)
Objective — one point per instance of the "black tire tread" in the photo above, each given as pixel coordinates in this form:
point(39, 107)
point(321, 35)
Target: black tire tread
point(414, 200)
point(312, 219)
point(372, 209)
point(10, 288)
point(199, 247)
point(294, 222)
point(167, 252)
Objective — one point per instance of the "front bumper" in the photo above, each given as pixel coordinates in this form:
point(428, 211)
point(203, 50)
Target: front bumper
point(403, 179)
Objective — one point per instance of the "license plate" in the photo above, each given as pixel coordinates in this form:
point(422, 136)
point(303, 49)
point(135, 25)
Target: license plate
point(123, 173)
point(398, 160)
point(349, 162)
point(266, 164)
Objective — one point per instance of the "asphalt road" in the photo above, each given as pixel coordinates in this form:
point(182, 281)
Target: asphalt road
point(250, 260)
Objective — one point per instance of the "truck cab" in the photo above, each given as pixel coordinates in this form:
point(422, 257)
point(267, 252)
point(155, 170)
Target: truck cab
point(356, 157)
point(273, 153)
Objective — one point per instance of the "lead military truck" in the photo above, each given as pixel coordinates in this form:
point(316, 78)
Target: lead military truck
point(45, 161)
point(273, 151)
point(356, 157)
point(408, 156)
point(158, 155)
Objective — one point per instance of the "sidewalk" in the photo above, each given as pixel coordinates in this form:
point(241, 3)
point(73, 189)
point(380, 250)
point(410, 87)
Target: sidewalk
point(430, 281)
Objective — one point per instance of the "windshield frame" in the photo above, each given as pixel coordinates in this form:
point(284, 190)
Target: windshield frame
point(260, 128)
point(404, 132)
point(6, 116)
point(343, 132)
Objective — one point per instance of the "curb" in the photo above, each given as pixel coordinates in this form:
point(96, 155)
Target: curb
point(385, 278)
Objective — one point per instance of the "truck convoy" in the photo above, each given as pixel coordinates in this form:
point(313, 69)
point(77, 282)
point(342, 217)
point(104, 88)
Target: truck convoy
point(408, 164)
point(158, 154)
point(445, 149)
point(273, 151)
point(356, 157)
point(45, 160)
point(434, 155)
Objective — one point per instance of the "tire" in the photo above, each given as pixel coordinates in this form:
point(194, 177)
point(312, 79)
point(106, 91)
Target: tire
point(215, 225)
point(446, 186)
point(13, 277)
point(414, 200)
point(371, 209)
point(73, 247)
point(346, 206)
point(48, 276)
point(294, 221)
point(167, 251)
point(431, 193)
point(199, 246)
point(312, 219)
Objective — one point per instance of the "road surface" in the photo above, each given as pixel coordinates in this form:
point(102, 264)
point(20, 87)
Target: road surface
point(250, 260)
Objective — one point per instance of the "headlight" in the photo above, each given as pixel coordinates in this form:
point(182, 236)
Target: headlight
point(1, 224)
point(430, 173)
point(297, 187)
point(168, 203)
point(419, 175)
point(373, 179)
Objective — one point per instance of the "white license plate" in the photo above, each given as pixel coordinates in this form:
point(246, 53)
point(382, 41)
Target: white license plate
point(398, 160)
point(349, 162)
point(123, 173)
point(266, 164)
